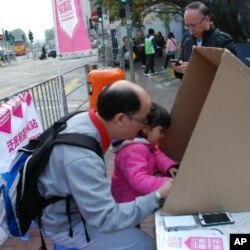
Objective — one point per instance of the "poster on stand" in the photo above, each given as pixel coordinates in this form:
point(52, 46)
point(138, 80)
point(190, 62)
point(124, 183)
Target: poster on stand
point(70, 27)
point(19, 123)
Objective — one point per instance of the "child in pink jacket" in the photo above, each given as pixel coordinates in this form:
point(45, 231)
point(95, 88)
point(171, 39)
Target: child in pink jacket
point(140, 166)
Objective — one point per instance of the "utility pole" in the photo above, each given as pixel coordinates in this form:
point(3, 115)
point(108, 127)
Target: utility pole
point(129, 34)
point(104, 49)
point(100, 20)
point(31, 38)
point(4, 41)
point(6, 58)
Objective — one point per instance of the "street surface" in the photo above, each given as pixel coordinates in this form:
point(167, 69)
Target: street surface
point(26, 72)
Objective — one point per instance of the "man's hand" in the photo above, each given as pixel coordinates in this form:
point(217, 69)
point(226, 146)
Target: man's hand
point(181, 68)
point(165, 188)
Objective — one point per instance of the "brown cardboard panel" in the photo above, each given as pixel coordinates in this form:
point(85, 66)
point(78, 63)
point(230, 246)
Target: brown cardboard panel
point(215, 170)
point(189, 101)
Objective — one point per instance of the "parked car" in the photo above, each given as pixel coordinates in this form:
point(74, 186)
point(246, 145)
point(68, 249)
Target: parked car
point(51, 52)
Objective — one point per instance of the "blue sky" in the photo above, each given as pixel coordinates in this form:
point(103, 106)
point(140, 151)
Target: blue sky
point(36, 15)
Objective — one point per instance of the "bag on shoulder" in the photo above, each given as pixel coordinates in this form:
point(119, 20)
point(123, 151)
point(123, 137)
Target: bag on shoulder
point(20, 200)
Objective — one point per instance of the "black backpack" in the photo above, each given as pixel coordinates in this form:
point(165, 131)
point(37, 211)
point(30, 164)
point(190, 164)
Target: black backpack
point(19, 193)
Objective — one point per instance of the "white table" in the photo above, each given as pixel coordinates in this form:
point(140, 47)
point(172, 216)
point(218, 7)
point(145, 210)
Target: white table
point(241, 226)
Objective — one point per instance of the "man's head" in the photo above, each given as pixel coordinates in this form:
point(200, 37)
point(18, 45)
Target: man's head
point(151, 32)
point(123, 108)
point(125, 40)
point(140, 34)
point(197, 18)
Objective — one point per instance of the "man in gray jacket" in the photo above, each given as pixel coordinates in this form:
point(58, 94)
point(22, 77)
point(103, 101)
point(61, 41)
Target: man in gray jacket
point(122, 110)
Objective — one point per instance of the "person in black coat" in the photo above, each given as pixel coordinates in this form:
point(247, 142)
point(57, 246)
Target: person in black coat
point(43, 55)
point(160, 44)
point(200, 33)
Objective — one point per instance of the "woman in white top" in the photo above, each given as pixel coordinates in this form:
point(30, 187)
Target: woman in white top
point(170, 48)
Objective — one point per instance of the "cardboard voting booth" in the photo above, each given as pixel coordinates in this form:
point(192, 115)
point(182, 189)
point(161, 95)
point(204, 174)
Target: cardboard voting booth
point(210, 135)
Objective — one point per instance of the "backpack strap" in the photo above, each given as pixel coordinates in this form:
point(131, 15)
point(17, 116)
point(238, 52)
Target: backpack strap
point(80, 140)
point(43, 244)
point(69, 217)
point(173, 42)
point(61, 123)
point(57, 127)
point(74, 139)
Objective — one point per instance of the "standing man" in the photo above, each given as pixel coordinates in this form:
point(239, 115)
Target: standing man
point(150, 50)
point(201, 33)
point(140, 40)
point(97, 222)
point(125, 51)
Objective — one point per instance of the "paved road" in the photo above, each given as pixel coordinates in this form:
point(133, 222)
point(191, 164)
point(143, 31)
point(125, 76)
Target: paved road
point(26, 72)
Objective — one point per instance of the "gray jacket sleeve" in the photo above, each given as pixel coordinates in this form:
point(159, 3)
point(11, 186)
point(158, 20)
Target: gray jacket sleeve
point(82, 175)
point(91, 191)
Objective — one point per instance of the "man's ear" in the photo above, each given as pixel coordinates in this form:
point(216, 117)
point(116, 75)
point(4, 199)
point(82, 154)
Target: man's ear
point(119, 119)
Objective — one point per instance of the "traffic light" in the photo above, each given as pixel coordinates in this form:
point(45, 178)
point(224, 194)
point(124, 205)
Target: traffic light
point(11, 39)
point(99, 13)
point(124, 1)
point(31, 36)
point(122, 12)
point(7, 38)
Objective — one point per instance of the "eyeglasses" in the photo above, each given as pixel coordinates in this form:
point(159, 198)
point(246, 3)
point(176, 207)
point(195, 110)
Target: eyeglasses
point(194, 25)
point(142, 121)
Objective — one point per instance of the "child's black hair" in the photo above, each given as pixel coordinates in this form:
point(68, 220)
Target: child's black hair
point(158, 116)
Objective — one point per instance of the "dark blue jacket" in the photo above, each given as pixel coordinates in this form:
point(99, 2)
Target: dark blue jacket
point(210, 38)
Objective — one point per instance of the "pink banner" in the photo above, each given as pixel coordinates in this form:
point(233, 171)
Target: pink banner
point(70, 27)
point(19, 122)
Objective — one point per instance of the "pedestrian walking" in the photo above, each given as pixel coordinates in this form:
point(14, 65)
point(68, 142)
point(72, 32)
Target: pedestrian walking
point(150, 50)
point(139, 42)
point(170, 48)
point(160, 41)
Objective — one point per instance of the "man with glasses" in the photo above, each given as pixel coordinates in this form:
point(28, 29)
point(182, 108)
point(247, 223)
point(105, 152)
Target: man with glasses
point(200, 33)
point(80, 174)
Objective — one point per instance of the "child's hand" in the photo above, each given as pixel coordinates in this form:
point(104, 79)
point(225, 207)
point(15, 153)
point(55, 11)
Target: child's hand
point(172, 171)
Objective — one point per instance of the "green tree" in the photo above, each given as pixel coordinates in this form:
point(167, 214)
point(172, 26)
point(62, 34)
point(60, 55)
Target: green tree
point(50, 36)
point(225, 12)
point(225, 17)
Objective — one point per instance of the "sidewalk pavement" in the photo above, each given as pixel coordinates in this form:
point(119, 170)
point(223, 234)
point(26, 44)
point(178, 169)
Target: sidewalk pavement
point(162, 87)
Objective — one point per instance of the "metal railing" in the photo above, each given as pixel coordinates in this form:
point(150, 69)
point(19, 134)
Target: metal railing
point(108, 56)
point(79, 92)
point(50, 99)
point(53, 99)
point(7, 58)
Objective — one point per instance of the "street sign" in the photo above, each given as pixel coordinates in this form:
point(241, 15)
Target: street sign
point(94, 17)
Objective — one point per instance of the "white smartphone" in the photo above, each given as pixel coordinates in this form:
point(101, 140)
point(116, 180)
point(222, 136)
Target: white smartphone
point(210, 219)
